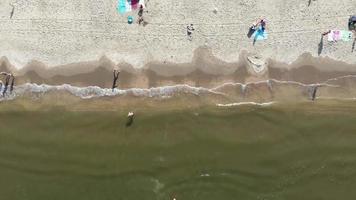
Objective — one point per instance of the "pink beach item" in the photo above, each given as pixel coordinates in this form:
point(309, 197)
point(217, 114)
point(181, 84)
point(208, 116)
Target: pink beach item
point(334, 35)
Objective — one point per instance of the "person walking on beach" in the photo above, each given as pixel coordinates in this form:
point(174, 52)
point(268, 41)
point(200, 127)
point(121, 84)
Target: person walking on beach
point(140, 15)
point(190, 30)
point(8, 77)
point(116, 77)
point(260, 28)
point(140, 11)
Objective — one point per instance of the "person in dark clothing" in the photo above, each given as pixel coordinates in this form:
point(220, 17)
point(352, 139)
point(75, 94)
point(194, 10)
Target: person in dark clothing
point(116, 77)
point(352, 23)
point(190, 30)
point(252, 30)
point(140, 11)
point(140, 16)
point(12, 83)
point(7, 80)
point(8, 77)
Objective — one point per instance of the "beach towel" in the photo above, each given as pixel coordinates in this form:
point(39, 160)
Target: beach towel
point(334, 35)
point(346, 36)
point(134, 4)
point(260, 34)
point(128, 6)
point(121, 6)
point(337, 35)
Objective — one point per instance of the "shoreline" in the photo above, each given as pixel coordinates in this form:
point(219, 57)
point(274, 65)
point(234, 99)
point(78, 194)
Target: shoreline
point(204, 70)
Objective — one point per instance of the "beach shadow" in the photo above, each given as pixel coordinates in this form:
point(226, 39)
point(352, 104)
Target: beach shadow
point(353, 45)
point(12, 11)
point(321, 45)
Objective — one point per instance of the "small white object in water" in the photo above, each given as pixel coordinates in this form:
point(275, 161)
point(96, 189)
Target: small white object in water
point(131, 114)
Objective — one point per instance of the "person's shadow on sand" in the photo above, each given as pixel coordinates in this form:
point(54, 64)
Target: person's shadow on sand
point(353, 45)
point(321, 45)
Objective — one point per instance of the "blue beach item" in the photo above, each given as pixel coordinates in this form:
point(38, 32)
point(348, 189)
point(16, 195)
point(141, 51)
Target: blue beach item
point(129, 19)
point(260, 34)
point(121, 6)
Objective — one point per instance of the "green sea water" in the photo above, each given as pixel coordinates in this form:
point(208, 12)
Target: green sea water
point(247, 152)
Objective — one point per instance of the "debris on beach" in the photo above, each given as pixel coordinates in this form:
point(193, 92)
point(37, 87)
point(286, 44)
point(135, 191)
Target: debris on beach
point(257, 65)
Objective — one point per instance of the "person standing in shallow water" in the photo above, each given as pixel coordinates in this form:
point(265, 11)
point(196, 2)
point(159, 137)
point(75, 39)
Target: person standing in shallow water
point(190, 30)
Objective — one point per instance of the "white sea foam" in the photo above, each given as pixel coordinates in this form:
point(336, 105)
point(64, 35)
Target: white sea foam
point(95, 91)
point(246, 103)
point(90, 92)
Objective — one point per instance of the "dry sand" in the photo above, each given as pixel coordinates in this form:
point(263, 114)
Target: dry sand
point(60, 32)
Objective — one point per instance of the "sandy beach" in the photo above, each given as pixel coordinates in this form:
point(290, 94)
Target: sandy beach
point(58, 33)
point(205, 106)
point(72, 48)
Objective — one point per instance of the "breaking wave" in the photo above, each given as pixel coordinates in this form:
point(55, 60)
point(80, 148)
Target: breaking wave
point(263, 93)
point(246, 103)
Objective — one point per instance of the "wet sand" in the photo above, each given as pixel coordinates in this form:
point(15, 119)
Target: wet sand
point(204, 70)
